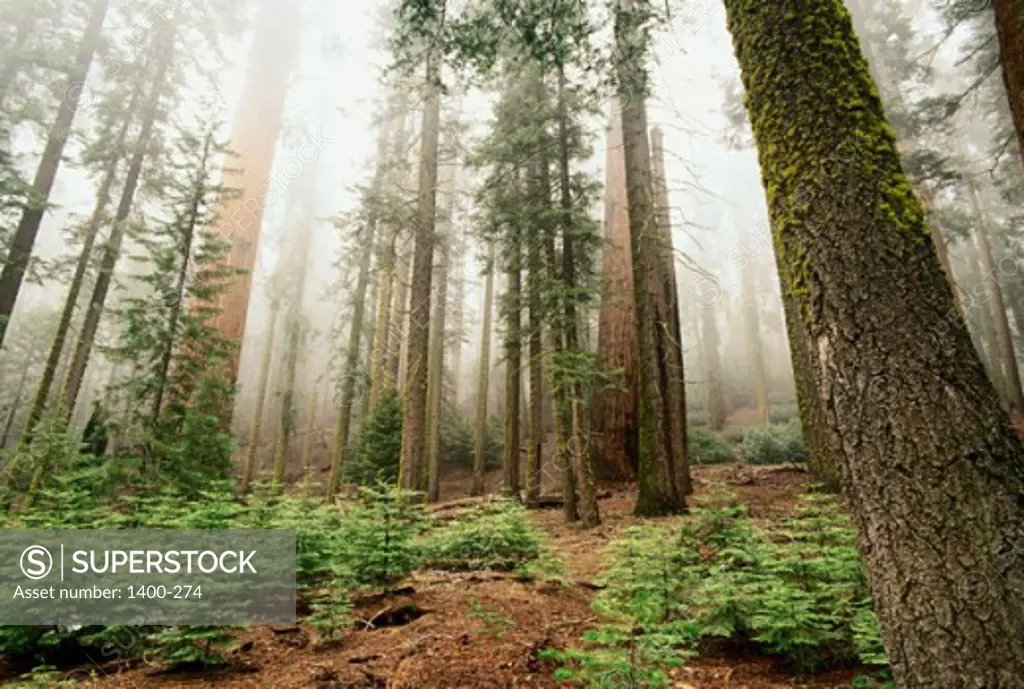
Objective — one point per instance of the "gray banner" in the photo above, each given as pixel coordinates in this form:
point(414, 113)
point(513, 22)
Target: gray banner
point(147, 576)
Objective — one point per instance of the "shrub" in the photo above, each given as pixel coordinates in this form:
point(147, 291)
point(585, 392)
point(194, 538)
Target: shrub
point(378, 536)
point(734, 434)
point(798, 590)
point(774, 444)
point(494, 535)
point(704, 447)
point(458, 438)
point(377, 451)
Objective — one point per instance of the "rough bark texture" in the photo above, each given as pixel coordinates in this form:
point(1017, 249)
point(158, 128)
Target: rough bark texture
point(20, 249)
point(483, 383)
point(112, 250)
point(254, 135)
point(614, 412)
point(938, 504)
point(1009, 16)
point(675, 400)
point(251, 452)
point(418, 336)
point(659, 490)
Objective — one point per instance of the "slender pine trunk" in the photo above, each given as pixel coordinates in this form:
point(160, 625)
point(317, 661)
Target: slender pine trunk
point(23, 241)
point(483, 382)
point(251, 452)
point(112, 250)
point(57, 347)
point(418, 335)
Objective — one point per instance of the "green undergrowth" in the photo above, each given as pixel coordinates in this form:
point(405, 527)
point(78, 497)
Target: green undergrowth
point(780, 443)
point(718, 581)
point(706, 447)
point(370, 542)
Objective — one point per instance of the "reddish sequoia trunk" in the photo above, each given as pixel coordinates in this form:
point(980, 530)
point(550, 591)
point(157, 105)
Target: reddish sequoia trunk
point(254, 135)
point(614, 439)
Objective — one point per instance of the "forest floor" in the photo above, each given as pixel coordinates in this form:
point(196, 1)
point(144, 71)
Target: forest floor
point(483, 630)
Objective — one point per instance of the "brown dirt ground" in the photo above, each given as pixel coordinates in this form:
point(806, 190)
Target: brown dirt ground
point(483, 630)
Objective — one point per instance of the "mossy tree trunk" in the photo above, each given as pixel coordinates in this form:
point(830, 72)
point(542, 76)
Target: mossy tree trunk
point(878, 344)
point(19, 249)
point(659, 490)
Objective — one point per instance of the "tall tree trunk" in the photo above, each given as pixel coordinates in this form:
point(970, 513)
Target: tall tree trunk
point(712, 365)
point(400, 324)
point(535, 277)
point(1009, 16)
point(180, 287)
point(675, 401)
point(755, 345)
point(458, 320)
point(307, 438)
point(254, 135)
point(12, 58)
point(513, 365)
point(352, 368)
point(418, 335)
point(483, 382)
point(659, 490)
point(938, 504)
point(1002, 343)
point(294, 332)
point(92, 230)
point(15, 404)
point(582, 470)
point(249, 467)
point(24, 238)
point(614, 417)
point(435, 367)
point(112, 249)
point(382, 323)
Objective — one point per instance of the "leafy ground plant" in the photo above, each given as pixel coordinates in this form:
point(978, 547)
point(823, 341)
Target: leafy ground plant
point(495, 535)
